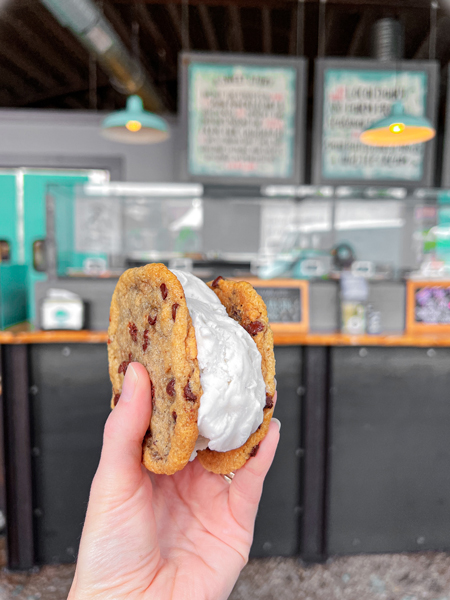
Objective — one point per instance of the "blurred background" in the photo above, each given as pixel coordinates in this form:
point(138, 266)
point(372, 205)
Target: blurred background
point(300, 145)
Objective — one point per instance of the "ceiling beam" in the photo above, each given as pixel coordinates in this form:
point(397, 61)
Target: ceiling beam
point(30, 68)
point(47, 23)
point(293, 32)
point(208, 27)
point(266, 30)
point(360, 32)
point(442, 28)
point(236, 28)
point(183, 36)
point(38, 43)
point(425, 4)
point(163, 49)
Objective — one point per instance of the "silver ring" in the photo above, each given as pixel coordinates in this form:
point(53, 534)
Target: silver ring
point(229, 477)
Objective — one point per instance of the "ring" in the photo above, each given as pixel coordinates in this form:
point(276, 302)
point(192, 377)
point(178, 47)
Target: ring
point(229, 477)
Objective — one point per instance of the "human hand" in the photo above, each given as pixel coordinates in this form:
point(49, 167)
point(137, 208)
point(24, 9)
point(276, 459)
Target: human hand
point(178, 537)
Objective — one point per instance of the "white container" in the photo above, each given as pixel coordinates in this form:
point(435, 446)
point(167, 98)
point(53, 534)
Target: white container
point(62, 310)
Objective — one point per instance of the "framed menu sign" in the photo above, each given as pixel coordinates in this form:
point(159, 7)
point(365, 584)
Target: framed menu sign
point(428, 306)
point(350, 95)
point(242, 118)
point(287, 302)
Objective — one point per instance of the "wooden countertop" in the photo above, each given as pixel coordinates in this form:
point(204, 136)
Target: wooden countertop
point(24, 334)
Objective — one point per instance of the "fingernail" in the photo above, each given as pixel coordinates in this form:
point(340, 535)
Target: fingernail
point(277, 422)
point(129, 384)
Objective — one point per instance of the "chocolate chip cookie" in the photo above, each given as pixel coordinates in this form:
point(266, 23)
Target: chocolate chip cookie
point(150, 324)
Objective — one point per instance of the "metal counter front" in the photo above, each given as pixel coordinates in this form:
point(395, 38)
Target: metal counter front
point(361, 466)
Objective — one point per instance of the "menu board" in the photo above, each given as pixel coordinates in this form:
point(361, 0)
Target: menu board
point(354, 95)
point(428, 306)
point(242, 118)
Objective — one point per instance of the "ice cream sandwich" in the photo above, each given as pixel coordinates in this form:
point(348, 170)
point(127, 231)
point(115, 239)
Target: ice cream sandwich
point(208, 349)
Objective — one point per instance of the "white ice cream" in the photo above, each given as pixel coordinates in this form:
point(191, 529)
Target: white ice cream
point(234, 392)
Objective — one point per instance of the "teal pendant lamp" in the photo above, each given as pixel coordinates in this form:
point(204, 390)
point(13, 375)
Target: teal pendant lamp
point(398, 129)
point(135, 125)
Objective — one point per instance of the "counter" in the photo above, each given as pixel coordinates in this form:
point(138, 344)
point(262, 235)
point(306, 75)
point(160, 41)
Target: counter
point(24, 334)
point(364, 443)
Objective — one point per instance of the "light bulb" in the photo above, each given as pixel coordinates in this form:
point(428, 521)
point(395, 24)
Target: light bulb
point(397, 127)
point(133, 125)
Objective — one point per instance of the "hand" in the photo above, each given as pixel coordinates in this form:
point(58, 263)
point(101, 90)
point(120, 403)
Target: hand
point(177, 537)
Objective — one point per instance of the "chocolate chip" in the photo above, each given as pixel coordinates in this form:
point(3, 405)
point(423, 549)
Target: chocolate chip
point(109, 341)
point(188, 393)
point(174, 416)
point(269, 401)
point(133, 331)
point(152, 320)
point(215, 283)
point(255, 327)
point(174, 310)
point(254, 451)
point(124, 365)
point(146, 342)
point(163, 289)
point(170, 389)
point(116, 399)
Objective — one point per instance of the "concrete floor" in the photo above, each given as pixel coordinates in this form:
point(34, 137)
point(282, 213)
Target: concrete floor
point(423, 576)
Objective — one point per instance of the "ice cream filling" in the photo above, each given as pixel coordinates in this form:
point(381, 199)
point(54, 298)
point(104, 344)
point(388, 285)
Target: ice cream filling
point(234, 392)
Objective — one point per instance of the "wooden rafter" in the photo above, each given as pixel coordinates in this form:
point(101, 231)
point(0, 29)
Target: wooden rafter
point(236, 28)
point(208, 27)
point(183, 36)
point(163, 49)
point(266, 30)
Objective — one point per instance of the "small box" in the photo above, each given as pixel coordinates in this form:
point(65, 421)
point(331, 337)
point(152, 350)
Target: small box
point(62, 310)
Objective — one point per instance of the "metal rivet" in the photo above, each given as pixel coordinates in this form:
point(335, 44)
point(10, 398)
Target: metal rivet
point(66, 351)
point(38, 512)
point(299, 452)
point(431, 352)
point(421, 540)
point(363, 352)
point(34, 390)
point(70, 551)
point(300, 391)
point(356, 542)
point(298, 510)
point(36, 451)
point(267, 546)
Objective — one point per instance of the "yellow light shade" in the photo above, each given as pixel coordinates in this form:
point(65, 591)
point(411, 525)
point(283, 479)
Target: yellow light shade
point(384, 136)
point(398, 129)
point(133, 125)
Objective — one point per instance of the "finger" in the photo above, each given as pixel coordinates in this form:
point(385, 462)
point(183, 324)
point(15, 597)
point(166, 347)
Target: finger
point(124, 431)
point(247, 484)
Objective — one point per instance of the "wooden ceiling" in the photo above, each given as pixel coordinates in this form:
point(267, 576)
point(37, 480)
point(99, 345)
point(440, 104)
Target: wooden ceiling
point(42, 65)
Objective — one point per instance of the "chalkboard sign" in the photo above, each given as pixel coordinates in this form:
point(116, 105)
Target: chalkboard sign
point(428, 306)
point(350, 95)
point(242, 118)
point(287, 302)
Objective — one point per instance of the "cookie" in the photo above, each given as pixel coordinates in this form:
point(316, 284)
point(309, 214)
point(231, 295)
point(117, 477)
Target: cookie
point(150, 324)
point(245, 305)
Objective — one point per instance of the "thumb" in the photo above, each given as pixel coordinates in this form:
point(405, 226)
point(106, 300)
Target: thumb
point(124, 431)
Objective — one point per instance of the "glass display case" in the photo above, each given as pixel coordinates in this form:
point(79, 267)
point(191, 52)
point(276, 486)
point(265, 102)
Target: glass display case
point(306, 232)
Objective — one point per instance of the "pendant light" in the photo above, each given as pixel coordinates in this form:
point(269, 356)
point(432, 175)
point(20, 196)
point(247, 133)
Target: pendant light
point(134, 125)
point(398, 129)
